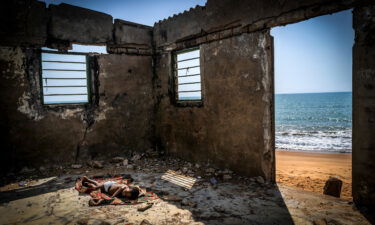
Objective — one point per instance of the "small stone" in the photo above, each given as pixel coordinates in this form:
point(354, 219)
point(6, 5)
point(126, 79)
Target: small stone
point(213, 181)
point(187, 202)
point(142, 209)
point(125, 162)
point(197, 165)
point(76, 166)
point(227, 177)
point(83, 221)
point(172, 198)
point(96, 164)
point(117, 159)
point(219, 209)
point(22, 183)
point(145, 222)
point(136, 157)
point(260, 180)
point(42, 168)
point(210, 170)
point(320, 222)
point(185, 170)
point(152, 154)
point(26, 170)
point(333, 187)
point(226, 171)
point(130, 166)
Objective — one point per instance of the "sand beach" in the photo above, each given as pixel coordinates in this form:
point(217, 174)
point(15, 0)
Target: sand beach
point(309, 171)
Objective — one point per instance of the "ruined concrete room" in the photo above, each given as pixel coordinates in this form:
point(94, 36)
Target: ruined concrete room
point(109, 120)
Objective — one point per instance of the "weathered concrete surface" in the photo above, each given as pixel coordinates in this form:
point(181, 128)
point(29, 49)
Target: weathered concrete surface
point(124, 116)
point(233, 128)
point(244, 15)
point(236, 201)
point(116, 122)
point(131, 33)
point(364, 107)
point(30, 23)
point(30, 134)
point(23, 22)
point(77, 24)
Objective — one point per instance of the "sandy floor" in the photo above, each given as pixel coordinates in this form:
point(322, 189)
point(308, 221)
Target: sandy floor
point(309, 171)
point(229, 202)
point(187, 195)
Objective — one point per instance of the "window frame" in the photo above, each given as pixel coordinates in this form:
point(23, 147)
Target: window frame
point(177, 101)
point(88, 79)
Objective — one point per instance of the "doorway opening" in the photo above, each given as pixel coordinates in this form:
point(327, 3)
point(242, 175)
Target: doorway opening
point(313, 102)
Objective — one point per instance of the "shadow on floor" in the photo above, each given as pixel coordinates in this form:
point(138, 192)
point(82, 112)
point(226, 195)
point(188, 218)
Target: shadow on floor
point(42, 186)
point(197, 201)
point(224, 202)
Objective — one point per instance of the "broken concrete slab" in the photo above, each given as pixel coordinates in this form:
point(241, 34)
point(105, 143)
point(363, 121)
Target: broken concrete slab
point(126, 32)
point(333, 187)
point(76, 24)
point(23, 23)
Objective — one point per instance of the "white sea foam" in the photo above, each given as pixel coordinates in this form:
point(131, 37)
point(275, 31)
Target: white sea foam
point(314, 121)
point(328, 141)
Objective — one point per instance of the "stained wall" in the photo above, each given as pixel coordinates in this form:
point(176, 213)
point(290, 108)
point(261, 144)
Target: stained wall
point(364, 106)
point(233, 126)
point(117, 121)
point(132, 107)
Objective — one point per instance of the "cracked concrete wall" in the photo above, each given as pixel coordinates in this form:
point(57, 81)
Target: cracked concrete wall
point(117, 122)
point(226, 19)
point(364, 107)
point(233, 128)
point(118, 119)
point(124, 117)
point(30, 134)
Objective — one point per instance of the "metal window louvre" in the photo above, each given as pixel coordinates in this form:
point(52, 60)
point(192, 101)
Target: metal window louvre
point(193, 87)
point(69, 93)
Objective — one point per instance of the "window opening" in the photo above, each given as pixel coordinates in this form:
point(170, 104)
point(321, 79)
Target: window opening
point(188, 75)
point(64, 78)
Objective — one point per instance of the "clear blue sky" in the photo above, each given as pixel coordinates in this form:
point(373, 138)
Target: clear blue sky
point(139, 11)
point(310, 56)
point(314, 55)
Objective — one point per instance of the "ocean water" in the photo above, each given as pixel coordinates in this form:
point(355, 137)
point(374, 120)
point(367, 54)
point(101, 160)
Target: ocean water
point(314, 121)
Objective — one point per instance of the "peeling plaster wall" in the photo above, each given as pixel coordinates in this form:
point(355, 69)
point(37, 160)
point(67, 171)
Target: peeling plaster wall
point(123, 120)
point(219, 21)
point(31, 135)
point(116, 123)
point(118, 119)
point(364, 107)
point(233, 127)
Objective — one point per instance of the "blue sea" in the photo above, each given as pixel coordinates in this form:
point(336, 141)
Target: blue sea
point(314, 121)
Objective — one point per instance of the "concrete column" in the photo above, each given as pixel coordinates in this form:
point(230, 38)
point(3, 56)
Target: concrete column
point(364, 107)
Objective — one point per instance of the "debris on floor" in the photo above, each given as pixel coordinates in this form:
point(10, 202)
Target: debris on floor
point(189, 194)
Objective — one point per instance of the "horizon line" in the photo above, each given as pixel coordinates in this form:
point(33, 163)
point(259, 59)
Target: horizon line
point(314, 92)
